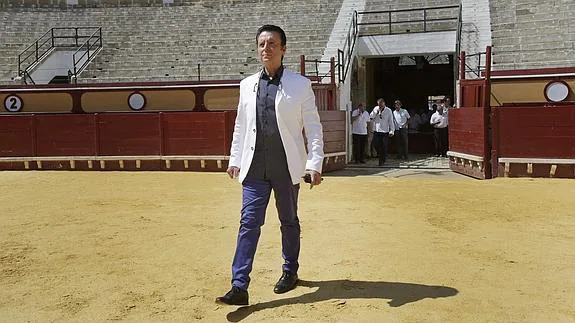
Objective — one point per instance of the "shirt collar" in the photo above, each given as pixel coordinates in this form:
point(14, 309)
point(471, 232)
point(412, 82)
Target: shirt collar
point(265, 76)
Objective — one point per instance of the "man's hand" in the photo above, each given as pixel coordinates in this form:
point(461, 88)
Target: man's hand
point(315, 178)
point(233, 171)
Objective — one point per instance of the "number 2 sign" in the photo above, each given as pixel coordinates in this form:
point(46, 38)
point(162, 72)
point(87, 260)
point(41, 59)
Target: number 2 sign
point(13, 103)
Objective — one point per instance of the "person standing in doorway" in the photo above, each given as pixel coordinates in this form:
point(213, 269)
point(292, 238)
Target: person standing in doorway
point(383, 128)
point(439, 121)
point(268, 154)
point(359, 120)
point(401, 117)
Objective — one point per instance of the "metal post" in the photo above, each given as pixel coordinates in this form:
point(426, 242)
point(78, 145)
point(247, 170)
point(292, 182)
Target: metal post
point(52, 35)
point(462, 66)
point(36, 50)
point(355, 21)
point(479, 65)
point(487, 92)
point(332, 70)
point(302, 64)
point(199, 72)
point(424, 20)
point(389, 21)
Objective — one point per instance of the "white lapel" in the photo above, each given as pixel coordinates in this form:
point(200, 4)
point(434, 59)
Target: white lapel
point(281, 94)
point(251, 95)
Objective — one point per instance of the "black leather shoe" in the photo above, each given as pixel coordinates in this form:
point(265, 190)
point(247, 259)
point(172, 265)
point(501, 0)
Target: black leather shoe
point(236, 296)
point(287, 282)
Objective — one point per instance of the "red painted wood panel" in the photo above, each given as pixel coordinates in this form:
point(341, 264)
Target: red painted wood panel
point(472, 93)
point(230, 123)
point(195, 133)
point(329, 136)
point(16, 136)
point(65, 135)
point(332, 115)
point(129, 134)
point(536, 132)
point(467, 131)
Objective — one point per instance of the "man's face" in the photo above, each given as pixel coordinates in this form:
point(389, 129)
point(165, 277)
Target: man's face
point(361, 107)
point(270, 49)
point(381, 104)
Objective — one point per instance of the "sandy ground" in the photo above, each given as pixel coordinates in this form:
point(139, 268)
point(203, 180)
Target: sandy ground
point(157, 247)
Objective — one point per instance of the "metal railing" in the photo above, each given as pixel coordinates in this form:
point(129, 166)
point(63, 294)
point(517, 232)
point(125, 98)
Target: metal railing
point(58, 37)
point(400, 21)
point(314, 72)
point(86, 52)
point(476, 67)
point(433, 19)
point(344, 55)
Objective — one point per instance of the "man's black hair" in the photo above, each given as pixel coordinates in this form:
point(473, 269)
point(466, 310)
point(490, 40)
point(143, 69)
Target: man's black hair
point(272, 28)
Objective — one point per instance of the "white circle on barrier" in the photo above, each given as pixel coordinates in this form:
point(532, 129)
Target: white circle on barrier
point(13, 103)
point(137, 101)
point(556, 91)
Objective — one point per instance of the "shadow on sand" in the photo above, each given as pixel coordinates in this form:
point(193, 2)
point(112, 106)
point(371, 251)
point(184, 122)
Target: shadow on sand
point(398, 294)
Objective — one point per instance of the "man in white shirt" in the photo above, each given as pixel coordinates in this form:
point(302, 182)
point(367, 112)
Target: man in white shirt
point(401, 117)
point(439, 121)
point(359, 120)
point(383, 128)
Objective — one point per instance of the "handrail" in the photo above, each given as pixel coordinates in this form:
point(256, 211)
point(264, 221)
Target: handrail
point(43, 45)
point(411, 9)
point(344, 55)
point(27, 75)
point(390, 22)
point(467, 68)
point(458, 40)
point(316, 63)
point(346, 52)
point(88, 46)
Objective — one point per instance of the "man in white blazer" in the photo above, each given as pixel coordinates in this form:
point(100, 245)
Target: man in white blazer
point(268, 153)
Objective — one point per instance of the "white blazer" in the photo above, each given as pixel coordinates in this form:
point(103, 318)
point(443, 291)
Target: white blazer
point(295, 111)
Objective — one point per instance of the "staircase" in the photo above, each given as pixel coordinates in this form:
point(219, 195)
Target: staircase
point(59, 55)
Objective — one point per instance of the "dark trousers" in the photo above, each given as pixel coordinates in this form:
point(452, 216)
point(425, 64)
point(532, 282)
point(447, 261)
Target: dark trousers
point(440, 136)
point(359, 147)
point(255, 198)
point(401, 143)
point(380, 140)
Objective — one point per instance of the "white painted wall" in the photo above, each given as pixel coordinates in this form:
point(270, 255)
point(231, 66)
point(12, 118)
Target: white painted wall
point(476, 28)
point(57, 63)
point(407, 44)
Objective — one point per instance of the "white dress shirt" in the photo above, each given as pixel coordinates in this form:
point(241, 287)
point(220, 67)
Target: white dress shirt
point(401, 118)
point(382, 120)
point(441, 118)
point(359, 126)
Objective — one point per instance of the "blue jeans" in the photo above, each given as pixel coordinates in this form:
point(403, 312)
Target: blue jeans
point(255, 198)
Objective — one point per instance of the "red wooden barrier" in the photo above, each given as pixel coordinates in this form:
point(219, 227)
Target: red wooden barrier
point(469, 152)
point(17, 136)
point(200, 133)
point(129, 134)
point(84, 139)
point(536, 132)
point(467, 131)
point(65, 135)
